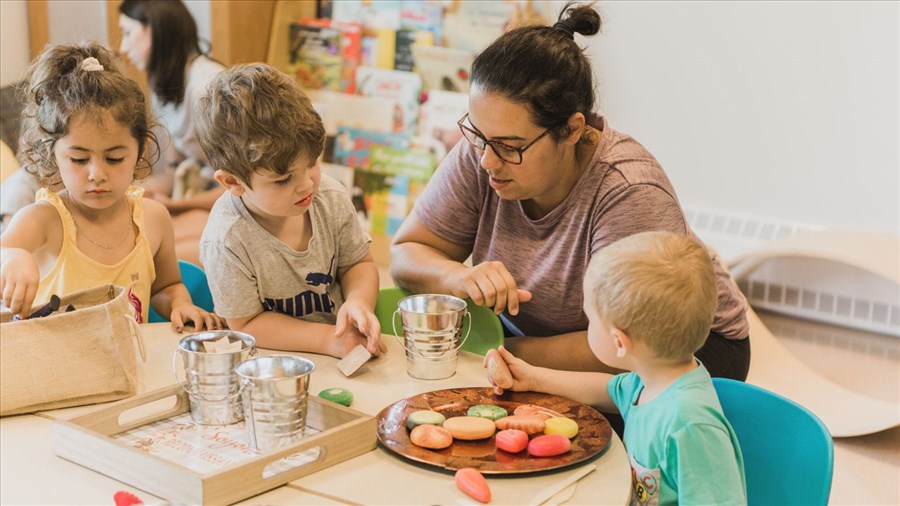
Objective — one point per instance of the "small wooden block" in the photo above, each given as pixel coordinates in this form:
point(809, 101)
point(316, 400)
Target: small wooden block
point(354, 360)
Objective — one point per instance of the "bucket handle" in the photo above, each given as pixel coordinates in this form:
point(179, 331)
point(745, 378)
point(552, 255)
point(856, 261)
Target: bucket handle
point(467, 317)
point(246, 383)
point(183, 383)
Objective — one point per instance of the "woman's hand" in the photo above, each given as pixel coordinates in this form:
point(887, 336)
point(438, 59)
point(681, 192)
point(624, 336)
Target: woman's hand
point(202, 319)
point(355, 319)
point(489, 284)
point(19, 280)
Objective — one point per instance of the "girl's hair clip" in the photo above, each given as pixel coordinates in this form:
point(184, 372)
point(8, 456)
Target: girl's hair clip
point(91, 64)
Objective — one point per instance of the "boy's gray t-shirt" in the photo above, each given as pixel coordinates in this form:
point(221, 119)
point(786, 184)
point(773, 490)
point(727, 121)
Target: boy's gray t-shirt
point(622, 191)
point(249, 270)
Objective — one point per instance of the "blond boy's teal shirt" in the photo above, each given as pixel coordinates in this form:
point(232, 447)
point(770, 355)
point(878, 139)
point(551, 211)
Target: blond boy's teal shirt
point(681, 448)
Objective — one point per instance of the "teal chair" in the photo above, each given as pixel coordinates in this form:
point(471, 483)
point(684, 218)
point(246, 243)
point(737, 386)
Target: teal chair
point(486, 332)
point(194, 279)
point(788, 452)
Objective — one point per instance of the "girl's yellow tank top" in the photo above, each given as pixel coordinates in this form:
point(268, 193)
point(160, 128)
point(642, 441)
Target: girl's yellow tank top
point(74, 271)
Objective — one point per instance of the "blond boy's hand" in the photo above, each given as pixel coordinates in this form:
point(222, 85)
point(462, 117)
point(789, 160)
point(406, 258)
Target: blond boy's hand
point(19, 280)
point(354, 318)
point(202, 319)
point(517, 376)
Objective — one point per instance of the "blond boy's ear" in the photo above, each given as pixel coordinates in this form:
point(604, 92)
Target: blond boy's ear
point(230, 182)
point(622, 341)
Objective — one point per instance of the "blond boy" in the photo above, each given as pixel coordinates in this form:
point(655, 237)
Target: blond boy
point(286, 258)
point(650, 299)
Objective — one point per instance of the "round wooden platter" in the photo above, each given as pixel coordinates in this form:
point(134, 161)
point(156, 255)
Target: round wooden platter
point(594, 431)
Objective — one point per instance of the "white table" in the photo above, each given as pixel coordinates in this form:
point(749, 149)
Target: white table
point(31, 474)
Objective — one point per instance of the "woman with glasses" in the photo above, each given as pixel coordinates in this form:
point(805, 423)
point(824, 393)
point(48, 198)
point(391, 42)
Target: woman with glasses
point(537, 187)
point(160, 38)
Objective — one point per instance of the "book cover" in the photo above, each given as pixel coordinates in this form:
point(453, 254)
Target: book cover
point(315, 55)
point(352, 146)
point(346, 51)
point(438, 116)
point(423, 15)
point(372, 14)
point(403, 87)
point(404, 40)
point(443, 68)
point(409, 172)
point(474, 25)
point(356, 111)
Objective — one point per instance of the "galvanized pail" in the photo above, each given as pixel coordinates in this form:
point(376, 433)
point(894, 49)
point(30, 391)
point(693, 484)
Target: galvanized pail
point(274, 391)
point(432, 324)
point(210, 381)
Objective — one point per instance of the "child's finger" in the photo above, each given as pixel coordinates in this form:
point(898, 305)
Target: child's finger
point(340, 326)
point(507, 356)
point(177, 321)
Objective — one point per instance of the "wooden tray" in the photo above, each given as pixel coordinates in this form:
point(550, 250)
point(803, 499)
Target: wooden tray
point(594, 431)
point(91, 441)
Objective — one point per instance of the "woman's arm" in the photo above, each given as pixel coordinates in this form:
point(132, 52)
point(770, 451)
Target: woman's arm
point(422, 262)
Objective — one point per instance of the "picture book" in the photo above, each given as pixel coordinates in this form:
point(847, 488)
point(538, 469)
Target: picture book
point(356, 111)
point(332, 48)
point(474, 25)
point(423, 15)
point(403, 87)
point(438, 116)
point(372, 14)
point(352, 146)
point(443, 68)
point(315, 55)
point(404, 40)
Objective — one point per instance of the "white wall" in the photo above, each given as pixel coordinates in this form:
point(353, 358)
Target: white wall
point(76, 21)
point(785, 110)
point(13, 41)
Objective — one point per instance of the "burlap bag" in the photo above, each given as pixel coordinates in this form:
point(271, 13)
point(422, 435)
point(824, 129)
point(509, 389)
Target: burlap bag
point(81, 357)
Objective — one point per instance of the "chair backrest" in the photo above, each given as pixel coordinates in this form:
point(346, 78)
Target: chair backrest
point(486, 333)
point(788, 452)
point(194, 278)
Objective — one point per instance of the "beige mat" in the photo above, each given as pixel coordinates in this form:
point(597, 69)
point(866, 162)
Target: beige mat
point(844, 412)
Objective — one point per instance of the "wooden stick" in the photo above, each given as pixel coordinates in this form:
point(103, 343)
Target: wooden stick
point(554, 489)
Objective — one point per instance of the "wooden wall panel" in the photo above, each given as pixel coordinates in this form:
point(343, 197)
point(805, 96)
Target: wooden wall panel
point(38, 26)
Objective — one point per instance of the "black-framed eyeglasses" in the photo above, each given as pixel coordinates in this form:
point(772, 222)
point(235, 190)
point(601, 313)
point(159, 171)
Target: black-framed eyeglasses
point(507, 153)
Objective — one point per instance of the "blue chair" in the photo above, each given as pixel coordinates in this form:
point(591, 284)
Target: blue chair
point(486, 332)
point(194, 278)
point(788, 452)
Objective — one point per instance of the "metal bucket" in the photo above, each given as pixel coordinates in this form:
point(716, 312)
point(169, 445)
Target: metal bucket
point(210, 381)
point(432, 324)
point(274, 391)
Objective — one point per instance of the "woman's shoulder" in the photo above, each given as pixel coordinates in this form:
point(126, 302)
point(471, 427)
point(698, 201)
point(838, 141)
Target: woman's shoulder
point(203, 68)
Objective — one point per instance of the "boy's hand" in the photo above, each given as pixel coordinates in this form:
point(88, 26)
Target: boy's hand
point(202, 319)
point(521, 372)
point(355, 318)
point(19, 280)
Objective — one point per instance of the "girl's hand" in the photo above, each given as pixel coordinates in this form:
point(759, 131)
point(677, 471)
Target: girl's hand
point(202, 319)
point(355, 318)
point(521, 372)
point(489, 284)
point(19, 280)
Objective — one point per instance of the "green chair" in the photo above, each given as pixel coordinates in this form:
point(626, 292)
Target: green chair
point(194, 278)
point(788, 452)
point(486, 332)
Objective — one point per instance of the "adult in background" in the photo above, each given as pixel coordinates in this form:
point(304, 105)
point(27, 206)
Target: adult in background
point(160, 38)
point(537, 187)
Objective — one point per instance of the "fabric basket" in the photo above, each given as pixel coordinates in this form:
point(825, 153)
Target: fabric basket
point(81, 357)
